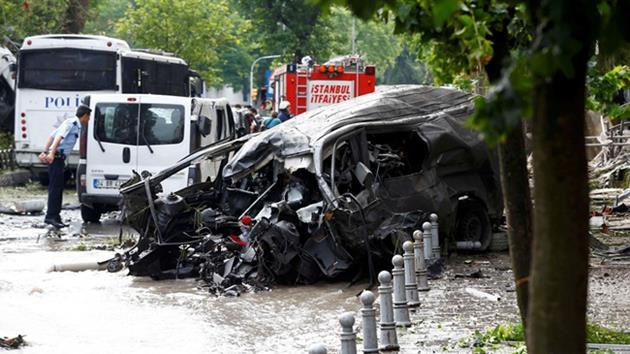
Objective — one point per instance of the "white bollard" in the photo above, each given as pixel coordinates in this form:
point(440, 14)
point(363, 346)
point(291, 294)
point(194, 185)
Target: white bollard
point(348, 337)
point(411, 288)
point(421, 270)
point(389, 340)
point(317, 349)
point(426, 235)
point(435, 236)
point(401, 312)
point(368, 314)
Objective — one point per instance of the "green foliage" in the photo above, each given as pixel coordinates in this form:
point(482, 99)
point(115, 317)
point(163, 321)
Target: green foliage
point(20, 18)
point(291, 28)
point(104, 14)
point(405, 70)
point(6, 140)
point(506, 103)
point(599, 334)
point(603, 91)
point(489, 341)
point(376, 42)
point(193, 29)
point(515, 333)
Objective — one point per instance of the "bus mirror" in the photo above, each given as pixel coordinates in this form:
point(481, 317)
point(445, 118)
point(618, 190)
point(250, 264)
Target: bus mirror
point(86, 101)
point(204, 124)
point(13, 67)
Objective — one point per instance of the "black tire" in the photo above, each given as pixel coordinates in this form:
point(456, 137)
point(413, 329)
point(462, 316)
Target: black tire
point(90, 214)
point(473, 224)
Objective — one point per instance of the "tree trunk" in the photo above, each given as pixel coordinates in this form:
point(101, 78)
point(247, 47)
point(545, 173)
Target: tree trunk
point(514, 183)
point(558, 287)
point(518, 206)
point(76, 15)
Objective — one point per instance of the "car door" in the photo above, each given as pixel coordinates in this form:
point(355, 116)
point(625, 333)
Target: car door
point(164, 137)
point(112, 147)
point(221, 128)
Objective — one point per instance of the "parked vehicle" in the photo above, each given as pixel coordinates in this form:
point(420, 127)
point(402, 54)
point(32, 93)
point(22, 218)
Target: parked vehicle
point(333, 192)
point(144, 134)
point(56, 71)
point(309, 86)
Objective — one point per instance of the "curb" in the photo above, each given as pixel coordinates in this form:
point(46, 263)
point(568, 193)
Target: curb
point(14, 178)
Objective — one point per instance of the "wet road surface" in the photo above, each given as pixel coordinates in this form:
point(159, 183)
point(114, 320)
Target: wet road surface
point(101, 312)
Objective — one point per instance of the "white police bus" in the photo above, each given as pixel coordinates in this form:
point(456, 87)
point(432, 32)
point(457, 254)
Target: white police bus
point(56, 71)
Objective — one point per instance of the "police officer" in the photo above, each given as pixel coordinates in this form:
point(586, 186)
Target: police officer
point(59, 144)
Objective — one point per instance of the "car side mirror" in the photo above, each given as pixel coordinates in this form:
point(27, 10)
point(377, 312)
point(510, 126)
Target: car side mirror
point(204, 124)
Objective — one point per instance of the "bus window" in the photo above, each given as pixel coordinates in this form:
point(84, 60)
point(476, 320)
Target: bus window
point(67, 69)
point(149, 76)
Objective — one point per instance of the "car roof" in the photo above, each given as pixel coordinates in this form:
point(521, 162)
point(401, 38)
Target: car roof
point(419, 104)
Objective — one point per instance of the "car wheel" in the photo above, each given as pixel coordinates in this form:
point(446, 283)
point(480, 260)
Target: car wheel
point(90, 214)
point(473, 224)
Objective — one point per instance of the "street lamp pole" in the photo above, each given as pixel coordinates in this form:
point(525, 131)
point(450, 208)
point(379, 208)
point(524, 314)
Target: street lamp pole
point(251, 74)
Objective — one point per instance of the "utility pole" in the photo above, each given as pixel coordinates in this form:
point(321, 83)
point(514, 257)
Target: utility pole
point(251, 74)
point(353, 35)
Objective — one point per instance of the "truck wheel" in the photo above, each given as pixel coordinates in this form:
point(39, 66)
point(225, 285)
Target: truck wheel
point(473, 224)
point(90, 214)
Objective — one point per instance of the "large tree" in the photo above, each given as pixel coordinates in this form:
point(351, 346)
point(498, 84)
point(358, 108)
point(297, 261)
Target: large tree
point(22, 18)
point(195, 30)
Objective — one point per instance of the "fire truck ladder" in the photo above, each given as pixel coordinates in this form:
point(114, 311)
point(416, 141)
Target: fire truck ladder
point(301, 90)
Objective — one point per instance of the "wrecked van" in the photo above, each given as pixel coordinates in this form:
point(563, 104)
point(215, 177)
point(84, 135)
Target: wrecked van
point(333, 192)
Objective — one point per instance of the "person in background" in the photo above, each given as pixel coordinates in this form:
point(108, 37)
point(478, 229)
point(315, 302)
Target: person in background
point(58, 146)
point(270, 122)
point(284, 111)
point(256, 122)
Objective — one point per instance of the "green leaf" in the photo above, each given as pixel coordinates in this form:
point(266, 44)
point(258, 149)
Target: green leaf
point(443, 9)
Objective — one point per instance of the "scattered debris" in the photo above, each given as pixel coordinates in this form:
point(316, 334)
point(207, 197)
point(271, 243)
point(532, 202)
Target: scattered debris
point(21, 207)
point(477, 274)
point(12, 343)
point(332, 193)
point(482, 294)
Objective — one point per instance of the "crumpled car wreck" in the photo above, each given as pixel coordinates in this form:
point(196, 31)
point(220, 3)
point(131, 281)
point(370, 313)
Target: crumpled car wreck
point(331, 193)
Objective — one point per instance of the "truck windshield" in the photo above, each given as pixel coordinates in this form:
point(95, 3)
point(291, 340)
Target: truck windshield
point(121, 123)
point(67, 69)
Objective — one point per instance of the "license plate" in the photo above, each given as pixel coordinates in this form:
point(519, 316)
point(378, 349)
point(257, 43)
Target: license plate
point(107, 183)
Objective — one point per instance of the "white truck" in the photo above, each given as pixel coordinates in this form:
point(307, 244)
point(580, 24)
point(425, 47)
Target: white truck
point(130, 133)
point(7, 89)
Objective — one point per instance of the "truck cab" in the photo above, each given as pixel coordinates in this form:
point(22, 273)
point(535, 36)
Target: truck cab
point(142, 134)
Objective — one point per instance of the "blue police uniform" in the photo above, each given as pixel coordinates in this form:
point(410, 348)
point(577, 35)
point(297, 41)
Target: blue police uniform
point(69, 130)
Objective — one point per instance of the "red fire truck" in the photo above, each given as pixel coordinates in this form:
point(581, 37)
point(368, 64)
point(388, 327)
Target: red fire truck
point(308, 86)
